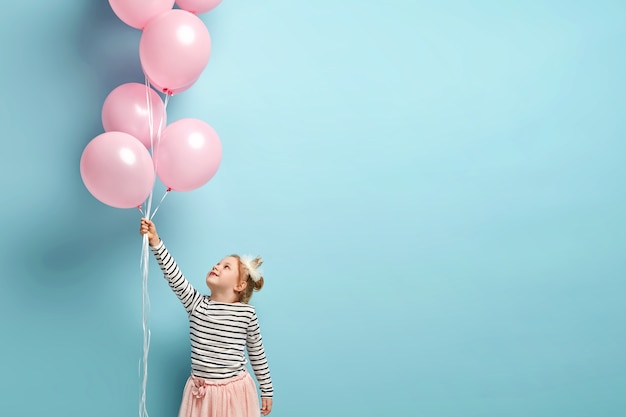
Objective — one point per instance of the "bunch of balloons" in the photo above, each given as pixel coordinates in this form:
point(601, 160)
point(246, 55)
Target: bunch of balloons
point(119, 167)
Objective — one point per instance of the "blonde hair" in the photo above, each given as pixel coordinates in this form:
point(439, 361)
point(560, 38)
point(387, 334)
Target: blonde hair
point(244, 275)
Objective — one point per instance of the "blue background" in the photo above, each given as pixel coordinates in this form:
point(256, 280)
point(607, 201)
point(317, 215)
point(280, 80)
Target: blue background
point(437, 191)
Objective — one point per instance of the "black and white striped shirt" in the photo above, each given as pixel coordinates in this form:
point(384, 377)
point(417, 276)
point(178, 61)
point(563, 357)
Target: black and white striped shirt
point(219, 332)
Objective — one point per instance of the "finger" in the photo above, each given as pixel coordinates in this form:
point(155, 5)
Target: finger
point(266, 407)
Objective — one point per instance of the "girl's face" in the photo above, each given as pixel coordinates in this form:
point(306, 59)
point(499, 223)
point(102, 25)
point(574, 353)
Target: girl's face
point(224, 275)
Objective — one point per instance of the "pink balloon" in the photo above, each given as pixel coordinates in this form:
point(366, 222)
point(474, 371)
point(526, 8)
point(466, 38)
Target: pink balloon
point(198, 6)
point(126, 110)
point(174, 49)
point(117, 170)
point(137, 13)
point(188, 155)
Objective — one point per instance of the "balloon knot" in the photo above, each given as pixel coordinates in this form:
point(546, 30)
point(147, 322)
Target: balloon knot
point(168, 189)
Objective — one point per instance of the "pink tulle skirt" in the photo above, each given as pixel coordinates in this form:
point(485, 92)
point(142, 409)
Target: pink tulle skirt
point(232, 397)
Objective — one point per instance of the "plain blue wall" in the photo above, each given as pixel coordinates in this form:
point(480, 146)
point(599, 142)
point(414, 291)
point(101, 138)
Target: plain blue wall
point(437, 189)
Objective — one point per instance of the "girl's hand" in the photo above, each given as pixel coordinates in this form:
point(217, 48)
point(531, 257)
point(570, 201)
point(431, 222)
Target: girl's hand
point(147, 227)
point(266, 406)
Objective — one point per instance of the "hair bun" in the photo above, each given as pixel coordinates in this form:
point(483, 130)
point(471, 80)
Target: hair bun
point(258, 284)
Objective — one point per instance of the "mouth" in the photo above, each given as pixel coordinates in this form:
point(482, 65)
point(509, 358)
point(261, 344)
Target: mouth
point(212, 274)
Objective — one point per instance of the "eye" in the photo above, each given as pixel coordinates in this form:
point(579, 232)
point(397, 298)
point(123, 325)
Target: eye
point(227, 266)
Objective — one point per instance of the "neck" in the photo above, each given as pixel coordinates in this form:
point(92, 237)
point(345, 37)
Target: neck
point(224, 297)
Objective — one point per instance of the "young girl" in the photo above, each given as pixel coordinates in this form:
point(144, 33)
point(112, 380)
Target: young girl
point(221, 326)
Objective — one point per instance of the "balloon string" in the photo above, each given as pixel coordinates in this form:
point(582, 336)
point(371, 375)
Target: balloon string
point(159, 205)
point(143, 365)
point(167, 100)
point(145, 299)
point(145, 249)
point(150, 116)
point(145, 308)
point(163, 117)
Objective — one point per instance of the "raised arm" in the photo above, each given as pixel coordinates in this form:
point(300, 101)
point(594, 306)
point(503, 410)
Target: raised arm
point(183, 289)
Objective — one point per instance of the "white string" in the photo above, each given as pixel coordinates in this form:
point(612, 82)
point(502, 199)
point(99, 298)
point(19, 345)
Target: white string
point(159, 131)
point(145, 298)
point(143, 411)
point(150, 119)
point(145, 251)
point(159, 205)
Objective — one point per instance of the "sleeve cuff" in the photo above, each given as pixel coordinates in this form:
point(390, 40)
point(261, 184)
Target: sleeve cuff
point(158, 245)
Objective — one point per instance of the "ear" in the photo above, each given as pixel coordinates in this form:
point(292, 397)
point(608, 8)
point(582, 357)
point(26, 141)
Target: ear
point(241, 286)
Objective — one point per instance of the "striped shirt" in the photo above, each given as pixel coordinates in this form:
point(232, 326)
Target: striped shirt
point(219, 332)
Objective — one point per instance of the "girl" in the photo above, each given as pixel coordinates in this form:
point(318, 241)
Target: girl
point(221, 326)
